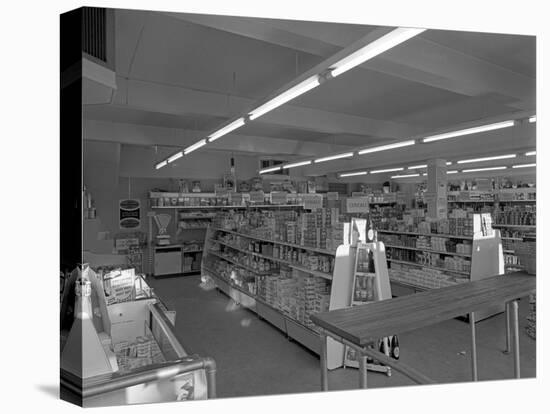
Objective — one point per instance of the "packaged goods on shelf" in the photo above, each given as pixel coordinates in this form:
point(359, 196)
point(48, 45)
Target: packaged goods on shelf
point(521, 215)
point(422, 277)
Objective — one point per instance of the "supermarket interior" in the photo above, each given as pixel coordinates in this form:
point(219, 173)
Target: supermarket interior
point(280, 206)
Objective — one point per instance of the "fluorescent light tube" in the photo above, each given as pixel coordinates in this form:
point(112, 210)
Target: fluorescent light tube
point(424, 174)
point(270, 169)
point(387, 170)
point(497, 157)
point(405, 176)
point(524, 165)
point(531, 153)
point(449, 163)
point(484, 169)
point(387, 147)
point(468, 131)
point(533, 119)
point(353, 174)
point(373, 49)
point(226, 129)
point(174, 157)
point(415, 167)
point(452, 172)
point(195, 146)
point(335, 157)
point(161, 164)
point(297, 164)
point(286, 96)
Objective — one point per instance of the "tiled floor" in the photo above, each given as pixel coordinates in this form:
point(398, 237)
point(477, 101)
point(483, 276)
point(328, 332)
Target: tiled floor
point(254, 358)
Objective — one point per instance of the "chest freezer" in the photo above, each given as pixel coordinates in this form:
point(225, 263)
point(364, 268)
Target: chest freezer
point(145, 360)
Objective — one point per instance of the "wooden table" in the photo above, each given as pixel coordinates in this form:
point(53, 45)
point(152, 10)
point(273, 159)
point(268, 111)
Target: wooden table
point(359, 326)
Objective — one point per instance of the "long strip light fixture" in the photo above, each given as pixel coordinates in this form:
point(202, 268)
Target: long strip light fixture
point(417, 167)
point(533, 119)
point(530, 153)
point(483, 169)
point(286, 96)
point(195, 146)
point(524, 165)
point(334, 157)
point(373, 49)
point(270, 169)
point(174, 157)
point(387, 170)
point(226, 129)
point(297, 164)
point(353, 174)
point(496, 157)
point(405, 176)
point(387, 147)
point(161, 164)
point(468, 131)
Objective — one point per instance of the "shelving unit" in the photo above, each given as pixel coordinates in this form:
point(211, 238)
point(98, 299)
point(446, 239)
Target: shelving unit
point(485, 260)
point(244, 293)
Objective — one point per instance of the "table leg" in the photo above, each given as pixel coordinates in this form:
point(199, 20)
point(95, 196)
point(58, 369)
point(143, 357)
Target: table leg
point(474, 348)
point(507, 322)
point(362, 371)
point(515, 332)
point(323, 356)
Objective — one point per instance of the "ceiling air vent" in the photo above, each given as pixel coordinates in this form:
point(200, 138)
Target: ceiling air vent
point(95, 32)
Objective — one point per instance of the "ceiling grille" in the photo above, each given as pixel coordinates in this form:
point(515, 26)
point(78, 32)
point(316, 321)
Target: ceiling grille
point(95, 32)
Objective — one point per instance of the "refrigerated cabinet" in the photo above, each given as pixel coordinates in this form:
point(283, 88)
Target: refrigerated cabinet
point(178, 376)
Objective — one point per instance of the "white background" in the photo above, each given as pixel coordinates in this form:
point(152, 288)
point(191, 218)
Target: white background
point(30, 209)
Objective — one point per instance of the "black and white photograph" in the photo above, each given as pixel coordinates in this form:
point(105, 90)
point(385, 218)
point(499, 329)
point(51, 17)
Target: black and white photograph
point(286, 206)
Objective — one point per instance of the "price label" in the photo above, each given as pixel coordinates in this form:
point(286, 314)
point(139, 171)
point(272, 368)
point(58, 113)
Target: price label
point(357, 204)
point(278, 197)
point(332, 196)
point(312, 201)
point(256, 196)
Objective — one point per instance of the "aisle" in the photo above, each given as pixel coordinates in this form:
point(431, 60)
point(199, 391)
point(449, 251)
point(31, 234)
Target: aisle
point(254, 358)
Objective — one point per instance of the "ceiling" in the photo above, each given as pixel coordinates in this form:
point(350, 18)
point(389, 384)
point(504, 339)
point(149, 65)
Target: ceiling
point(192, 73)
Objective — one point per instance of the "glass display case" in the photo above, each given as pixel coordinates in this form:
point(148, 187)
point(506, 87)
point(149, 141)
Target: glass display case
point(138, 358)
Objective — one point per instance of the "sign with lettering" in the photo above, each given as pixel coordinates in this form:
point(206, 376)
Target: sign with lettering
point(129, 214)
point(312, 201)
point(357, 204)
point(257, 196)
point(278, 197)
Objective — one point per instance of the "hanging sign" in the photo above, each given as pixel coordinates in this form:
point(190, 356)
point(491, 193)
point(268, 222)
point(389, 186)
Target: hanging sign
point(129, 214)
point(278, 197)
point(312, 201)
point(332, 196)
point(357, 204)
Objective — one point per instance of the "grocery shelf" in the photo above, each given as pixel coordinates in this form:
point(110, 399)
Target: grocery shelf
point(236, 263)
point(275, 259)
point(443, 269)
point(313, 249)
point(516, 226)
point(428, 250)
point(449, 236)
point(228, 206)
point(512, 238)
point(304, 335)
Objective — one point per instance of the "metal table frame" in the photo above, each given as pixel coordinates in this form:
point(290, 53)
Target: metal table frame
point(511, 336)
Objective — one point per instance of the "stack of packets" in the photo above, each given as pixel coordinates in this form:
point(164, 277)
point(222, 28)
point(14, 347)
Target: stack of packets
point(144, 351)
point(119, 286)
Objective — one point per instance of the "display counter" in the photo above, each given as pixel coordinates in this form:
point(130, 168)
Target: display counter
point(146, 362)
